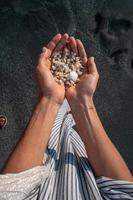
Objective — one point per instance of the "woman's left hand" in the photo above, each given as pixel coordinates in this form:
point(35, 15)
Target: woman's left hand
point(48, 86)
point(86, 87)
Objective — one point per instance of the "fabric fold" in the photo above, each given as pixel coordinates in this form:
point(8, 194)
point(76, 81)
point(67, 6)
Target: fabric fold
point(115, 189)
point(18, 186)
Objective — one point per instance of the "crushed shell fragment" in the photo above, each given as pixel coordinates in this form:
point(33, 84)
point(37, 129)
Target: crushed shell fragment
point(73, 76)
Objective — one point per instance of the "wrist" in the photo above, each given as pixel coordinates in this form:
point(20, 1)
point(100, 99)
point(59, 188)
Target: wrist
point(81, 103)
point(49, 100)
point(84, 100)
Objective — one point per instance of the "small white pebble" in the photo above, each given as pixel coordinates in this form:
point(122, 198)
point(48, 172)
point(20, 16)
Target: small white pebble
point(77, 59)
point(60, 81)
point(53, 67)
point(79, 72)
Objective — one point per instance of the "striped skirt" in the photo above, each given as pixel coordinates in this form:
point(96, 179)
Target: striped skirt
point(67, 174)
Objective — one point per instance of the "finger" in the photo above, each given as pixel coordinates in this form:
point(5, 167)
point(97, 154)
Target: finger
point(44, 49)
point(45, 53)
point(68, 45)
point(52, 44)
point(73, 45)
point(81, 51)
point(61, 43)
point(43, 58)
point(92, 69)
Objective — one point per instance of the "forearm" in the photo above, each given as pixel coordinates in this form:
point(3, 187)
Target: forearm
point(29, 151)
point(102, 154)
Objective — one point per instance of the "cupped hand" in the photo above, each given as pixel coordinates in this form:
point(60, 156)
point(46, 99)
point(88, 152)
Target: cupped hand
point(88, 82)
point(48, 86)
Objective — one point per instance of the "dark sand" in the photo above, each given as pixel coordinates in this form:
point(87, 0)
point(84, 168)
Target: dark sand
point(105, 27)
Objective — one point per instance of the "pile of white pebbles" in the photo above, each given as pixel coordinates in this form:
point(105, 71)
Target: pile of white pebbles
point(67, 67)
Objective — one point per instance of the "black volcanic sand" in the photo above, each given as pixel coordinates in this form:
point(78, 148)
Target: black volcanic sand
point(105, 27)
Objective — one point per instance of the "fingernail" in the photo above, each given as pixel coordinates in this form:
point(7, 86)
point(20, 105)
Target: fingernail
point(44, 49)
point(65, 34)
point(71, 37)
point(58, 34)
point(92, 59)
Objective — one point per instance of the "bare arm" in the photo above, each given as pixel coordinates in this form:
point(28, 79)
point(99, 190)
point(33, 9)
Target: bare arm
point(102, 154)
point(30, 149)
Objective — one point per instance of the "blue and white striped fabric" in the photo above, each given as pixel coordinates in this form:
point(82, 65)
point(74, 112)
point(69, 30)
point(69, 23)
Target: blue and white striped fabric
point(70, 175)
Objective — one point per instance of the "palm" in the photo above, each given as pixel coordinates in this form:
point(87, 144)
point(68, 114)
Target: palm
point(86, 86)
point(88, 82)
point(49, 86)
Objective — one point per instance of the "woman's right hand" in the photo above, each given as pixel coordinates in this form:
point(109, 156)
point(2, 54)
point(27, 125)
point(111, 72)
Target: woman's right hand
point(47, 85)
point(86, 87)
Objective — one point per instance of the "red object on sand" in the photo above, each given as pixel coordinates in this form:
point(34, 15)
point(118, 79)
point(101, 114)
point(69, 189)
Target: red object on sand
point(3, 121)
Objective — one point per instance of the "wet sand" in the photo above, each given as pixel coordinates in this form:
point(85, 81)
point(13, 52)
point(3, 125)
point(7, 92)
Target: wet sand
point(105, 27)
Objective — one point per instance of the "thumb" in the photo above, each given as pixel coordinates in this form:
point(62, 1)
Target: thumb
point(45, 52)
point(91, 66)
